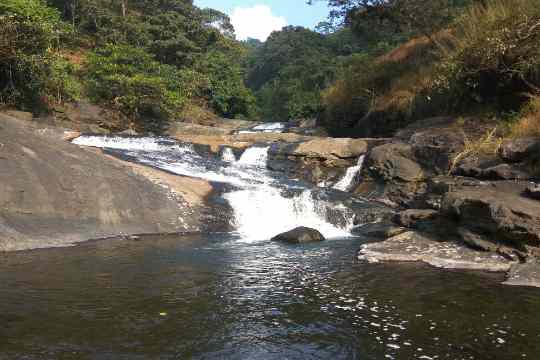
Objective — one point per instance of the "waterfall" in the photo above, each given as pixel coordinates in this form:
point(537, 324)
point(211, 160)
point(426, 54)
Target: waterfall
point(261, 210)
point(351, 176)
point(254, 156)
point(227, 155)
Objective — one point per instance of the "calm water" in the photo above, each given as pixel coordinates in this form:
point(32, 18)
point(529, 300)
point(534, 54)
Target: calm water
point(194, 297)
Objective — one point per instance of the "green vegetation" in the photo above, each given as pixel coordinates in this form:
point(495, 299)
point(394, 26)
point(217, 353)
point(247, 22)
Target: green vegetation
point(147, 59)
point(372, 68)
point(29, 33)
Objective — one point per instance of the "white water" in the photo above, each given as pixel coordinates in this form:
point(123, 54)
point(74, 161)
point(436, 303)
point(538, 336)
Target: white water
point(260, 209)
point(227, 155)
point(275, 127)
point(351, 176)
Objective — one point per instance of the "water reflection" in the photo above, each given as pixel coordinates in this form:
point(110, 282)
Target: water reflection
point(217, 298)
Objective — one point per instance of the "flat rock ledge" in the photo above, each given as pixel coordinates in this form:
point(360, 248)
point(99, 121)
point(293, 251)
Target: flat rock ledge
point(414, 247)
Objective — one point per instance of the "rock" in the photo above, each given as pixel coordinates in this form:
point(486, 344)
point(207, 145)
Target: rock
point(21, 115)
point(517, 150)
point(55, 193)
point(436, 148)
point(322, 148)
point(300, 235)
point(393, 162)
point(70, 135)
point(497, 210)
point(413, 246)
point(178, 129)
point(379, 230)
point(412, 217)
point(526, 274)
point(504, 172)
point(533, 191)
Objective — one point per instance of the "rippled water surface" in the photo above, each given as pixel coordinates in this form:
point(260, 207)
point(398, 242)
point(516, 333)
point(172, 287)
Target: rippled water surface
point(194, 297)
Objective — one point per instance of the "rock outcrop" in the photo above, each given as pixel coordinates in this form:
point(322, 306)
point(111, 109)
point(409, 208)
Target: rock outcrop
point(55, 193)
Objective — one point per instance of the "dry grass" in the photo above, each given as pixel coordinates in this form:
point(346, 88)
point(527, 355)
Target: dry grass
point(528, 124)
point(487, 144)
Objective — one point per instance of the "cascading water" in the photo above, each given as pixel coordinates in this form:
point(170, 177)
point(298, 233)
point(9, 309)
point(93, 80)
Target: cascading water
point(261, 207)
point(351, 176)
point(227, 155)
point(275, 127)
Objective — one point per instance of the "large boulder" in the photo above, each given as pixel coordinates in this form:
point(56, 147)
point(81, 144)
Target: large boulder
point(498, 210)
point(392, 162)
point(521, 149)
point(300, 235)
point(322, 148)
point(56, 193)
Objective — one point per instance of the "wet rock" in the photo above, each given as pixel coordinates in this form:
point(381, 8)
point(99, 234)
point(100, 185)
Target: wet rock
point(520, 149)
point(300, 235)
point(393, 162)
point(413, 246)
point(533, 191)
point(526, 274)
point(379, 230)
point(413, 217)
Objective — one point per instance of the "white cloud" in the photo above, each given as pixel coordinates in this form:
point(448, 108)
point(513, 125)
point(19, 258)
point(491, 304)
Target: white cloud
point(256, 22)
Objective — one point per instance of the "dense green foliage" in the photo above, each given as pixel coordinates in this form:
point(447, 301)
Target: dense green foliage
point(145, 58)
point(29, 33)
point(289, 71)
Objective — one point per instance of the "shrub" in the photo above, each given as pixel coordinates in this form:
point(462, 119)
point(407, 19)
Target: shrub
point(132, 81)
point(29, 33)
point(496, 57)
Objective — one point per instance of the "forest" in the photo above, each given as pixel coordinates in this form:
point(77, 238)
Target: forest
point(371, 68)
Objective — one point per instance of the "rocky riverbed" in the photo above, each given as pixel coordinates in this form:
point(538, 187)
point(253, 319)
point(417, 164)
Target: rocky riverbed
point(419, 196)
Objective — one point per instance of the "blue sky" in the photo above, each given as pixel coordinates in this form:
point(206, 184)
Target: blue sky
point(258, 18)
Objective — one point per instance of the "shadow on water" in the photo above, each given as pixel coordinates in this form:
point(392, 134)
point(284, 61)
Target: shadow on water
point(216, 297)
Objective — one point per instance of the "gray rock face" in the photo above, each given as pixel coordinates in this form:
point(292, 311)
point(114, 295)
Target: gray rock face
point(379, 230)
point(518, 150)
point(412, 217)
point(393, 162)
point(436, 148)
point(300, 235)
point(497, 209)
point(55, 193)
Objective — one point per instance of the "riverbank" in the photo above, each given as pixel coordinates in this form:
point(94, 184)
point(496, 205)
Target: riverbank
point(55, 193)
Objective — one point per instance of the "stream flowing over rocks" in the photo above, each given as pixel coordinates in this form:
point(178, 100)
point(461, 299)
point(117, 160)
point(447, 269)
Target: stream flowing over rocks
point(264, 203)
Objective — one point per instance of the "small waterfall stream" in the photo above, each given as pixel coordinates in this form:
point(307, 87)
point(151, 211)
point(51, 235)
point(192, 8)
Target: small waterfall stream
point(351, 176)
point(264, 204)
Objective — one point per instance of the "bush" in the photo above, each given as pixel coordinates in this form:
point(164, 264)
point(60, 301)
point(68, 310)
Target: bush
point(29, 33)
point(496, 56)
point(130, 80)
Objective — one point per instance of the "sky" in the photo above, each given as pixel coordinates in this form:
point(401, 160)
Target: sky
point(258, 18)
